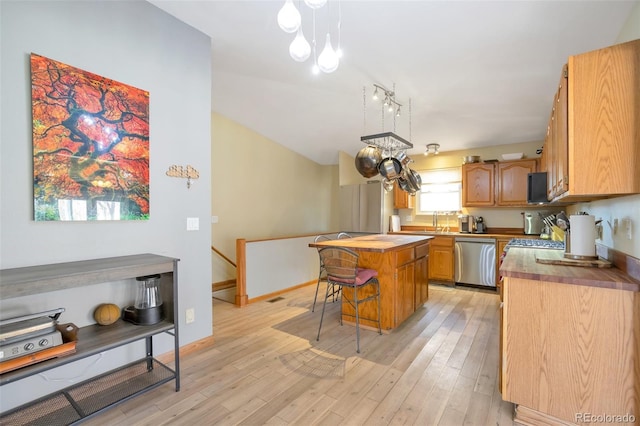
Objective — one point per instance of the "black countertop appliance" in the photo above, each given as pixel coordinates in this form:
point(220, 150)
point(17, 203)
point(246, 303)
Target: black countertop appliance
point(537, 188)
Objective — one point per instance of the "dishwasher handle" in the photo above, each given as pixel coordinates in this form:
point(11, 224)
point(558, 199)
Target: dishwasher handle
point(475, 240)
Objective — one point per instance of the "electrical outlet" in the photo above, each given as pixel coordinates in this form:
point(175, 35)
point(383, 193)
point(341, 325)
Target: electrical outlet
point(190, 315)
point(627, 226)
point(599, 231)
point(408, 218)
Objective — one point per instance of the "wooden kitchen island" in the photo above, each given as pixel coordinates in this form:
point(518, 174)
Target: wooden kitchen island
point(402, 265)
point(570, 346)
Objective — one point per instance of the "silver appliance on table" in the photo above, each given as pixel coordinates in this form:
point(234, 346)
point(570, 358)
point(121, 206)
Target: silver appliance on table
point(532, 221)
point(475, 260)
point(365, 208)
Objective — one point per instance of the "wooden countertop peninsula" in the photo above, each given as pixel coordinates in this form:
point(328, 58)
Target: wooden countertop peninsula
point(378, 242)
point(521, 263)
point(570, 341)
point(402, 265)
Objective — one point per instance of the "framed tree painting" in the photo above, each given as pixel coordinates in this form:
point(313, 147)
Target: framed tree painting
point(90, 145)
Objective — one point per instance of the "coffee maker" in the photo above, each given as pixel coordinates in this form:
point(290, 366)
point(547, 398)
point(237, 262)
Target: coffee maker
point(465, 224)
point(147, 308)
point(480, 227)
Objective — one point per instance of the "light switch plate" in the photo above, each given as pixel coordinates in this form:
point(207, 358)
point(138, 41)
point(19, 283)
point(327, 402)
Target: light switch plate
point(193, 223)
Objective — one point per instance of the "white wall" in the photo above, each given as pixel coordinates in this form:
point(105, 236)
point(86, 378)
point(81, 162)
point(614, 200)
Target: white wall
point(277, 265)
point(138, 44)
point(261, 189)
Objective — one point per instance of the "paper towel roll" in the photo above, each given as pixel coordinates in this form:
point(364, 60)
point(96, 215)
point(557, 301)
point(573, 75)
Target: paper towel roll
point(583, 235)
point(395, 223)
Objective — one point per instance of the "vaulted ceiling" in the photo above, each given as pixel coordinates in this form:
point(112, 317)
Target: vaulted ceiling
point(476, 73)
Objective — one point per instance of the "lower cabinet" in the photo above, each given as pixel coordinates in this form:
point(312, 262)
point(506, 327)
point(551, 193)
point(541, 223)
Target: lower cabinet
point(569, 351)
point(406, 290)
point(500, 245)
point(421, 276)
point(441, 259)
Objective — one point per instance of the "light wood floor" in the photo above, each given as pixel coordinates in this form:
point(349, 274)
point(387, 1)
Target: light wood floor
point(439, 368)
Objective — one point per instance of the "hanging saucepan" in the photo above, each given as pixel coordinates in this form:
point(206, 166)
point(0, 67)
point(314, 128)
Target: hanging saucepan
point(390, 168)
point(414, 181)
point(387, 185)
point(367, 161)
point(403, 184)
point(403, 158)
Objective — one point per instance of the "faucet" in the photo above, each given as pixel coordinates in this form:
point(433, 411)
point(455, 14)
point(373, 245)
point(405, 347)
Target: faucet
point(447, 228)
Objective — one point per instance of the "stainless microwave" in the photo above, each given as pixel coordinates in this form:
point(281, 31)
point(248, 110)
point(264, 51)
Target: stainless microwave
point(537, 188)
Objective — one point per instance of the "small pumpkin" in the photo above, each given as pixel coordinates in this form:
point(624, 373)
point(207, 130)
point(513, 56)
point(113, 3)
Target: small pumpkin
point(106, 313)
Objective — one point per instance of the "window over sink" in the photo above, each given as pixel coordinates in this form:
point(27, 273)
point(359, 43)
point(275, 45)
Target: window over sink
point(441, 190)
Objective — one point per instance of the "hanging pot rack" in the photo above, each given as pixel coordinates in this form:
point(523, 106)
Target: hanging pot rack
point(387, 141)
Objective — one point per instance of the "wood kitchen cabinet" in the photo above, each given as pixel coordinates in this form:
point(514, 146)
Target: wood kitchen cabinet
point(511, 179)
point(402, 199)
point(496, 184)
point(500, 245)
point(570, 340)
point(421, 275)
point(591, 147)
point(441, 259)
point(406, 286)
point(555, 161)
point(478, 184)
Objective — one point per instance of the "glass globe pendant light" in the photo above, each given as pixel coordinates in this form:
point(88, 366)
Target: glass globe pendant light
point(315, 4)
point(300, 49)
point(289, 18)
point(328, 60)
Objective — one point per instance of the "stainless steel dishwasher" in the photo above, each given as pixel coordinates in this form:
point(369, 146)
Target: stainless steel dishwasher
point(475, 261)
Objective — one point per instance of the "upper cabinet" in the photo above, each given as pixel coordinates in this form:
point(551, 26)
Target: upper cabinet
point(496, 184)
point(402, 199)
point(478, 184)
point(592, 147)
point(511, 178)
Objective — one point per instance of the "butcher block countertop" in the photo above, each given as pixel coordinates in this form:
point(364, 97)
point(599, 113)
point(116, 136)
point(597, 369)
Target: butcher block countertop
point(465, 234)
point(521, 263)
point(380, 243)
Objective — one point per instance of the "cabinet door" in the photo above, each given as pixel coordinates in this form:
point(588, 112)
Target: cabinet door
point(402, 199)
point(441, 259)
point(478, 188)
point(500, 244)
point(556, 142)
point(552, 172)
point(406, 292)
point(561, 136)
point(421, 276)
point(512, 181)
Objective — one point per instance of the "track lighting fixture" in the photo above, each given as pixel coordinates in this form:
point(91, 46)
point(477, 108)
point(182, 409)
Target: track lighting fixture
point(432, 148)
point(389, 102)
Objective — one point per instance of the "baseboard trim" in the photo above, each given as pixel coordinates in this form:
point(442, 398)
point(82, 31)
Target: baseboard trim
point(222, 285)
point(279, 292)
point(529, 417)
point(187, 349)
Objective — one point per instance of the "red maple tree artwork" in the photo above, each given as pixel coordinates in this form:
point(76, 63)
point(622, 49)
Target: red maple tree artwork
point(90, 145)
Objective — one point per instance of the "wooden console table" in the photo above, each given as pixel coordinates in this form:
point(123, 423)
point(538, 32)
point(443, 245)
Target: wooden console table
point(95, 395)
